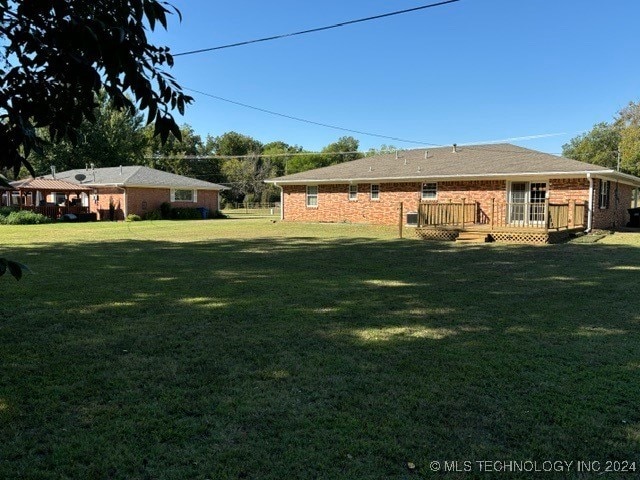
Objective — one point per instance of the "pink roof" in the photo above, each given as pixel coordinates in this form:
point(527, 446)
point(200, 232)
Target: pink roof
point(48, 184)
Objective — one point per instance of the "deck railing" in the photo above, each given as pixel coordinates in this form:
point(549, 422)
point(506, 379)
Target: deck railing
point(55, 211)
point(448, 214)
point(536, 215)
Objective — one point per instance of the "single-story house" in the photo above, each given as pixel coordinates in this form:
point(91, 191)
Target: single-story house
point(499, 188)
point(137, 190)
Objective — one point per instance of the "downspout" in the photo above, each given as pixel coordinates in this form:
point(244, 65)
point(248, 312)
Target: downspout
point(125, 210)
point(590, 208)
point(281, 201)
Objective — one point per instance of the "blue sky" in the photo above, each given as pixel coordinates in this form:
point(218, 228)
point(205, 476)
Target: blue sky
point(471, 71)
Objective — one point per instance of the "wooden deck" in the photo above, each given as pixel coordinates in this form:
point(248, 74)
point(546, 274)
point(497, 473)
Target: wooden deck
point(482, 233)
point(529, 223)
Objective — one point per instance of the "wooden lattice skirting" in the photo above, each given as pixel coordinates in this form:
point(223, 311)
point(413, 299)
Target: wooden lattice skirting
point(436, 234)
point(530, 238)
point(518, 237)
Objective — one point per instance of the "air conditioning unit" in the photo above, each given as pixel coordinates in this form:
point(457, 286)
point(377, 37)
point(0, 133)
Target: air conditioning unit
point(412, 219)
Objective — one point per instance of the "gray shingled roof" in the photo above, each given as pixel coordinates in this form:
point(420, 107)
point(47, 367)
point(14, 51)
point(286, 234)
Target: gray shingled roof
point(473, 161)
point(136, 176)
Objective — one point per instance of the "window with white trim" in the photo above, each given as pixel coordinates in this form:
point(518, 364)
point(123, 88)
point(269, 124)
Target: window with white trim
point(353, 192)
point(312, 195)
point(183, 195)
point(603, 193)
point(429, 191)
point(375, 191)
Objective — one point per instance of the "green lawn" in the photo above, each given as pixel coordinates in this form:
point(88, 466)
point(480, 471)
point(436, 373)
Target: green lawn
point(231, 349)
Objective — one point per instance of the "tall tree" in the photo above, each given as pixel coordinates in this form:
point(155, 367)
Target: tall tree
point(276, 157)
point(246, 172)
point(344, 149)
point(57, 56)
point(170, 156)
point(236, 144)
point(598, 146)
point(606, 141)
point(382, 150)
point(628, 122)
point(115, 137)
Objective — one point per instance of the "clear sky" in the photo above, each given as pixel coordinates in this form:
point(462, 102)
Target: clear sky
point(471, 71)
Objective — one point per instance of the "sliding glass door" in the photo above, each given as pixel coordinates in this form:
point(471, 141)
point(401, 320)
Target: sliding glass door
point(527, 203)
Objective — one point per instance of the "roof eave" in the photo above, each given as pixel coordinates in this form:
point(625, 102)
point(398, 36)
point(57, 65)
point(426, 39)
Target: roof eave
point(417, 178)
point(213, 188)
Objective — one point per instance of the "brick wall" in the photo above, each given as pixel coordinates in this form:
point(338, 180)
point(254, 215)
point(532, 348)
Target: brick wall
point(105, 197)
point(144, 200)
point(616, 215)
point(334, 204)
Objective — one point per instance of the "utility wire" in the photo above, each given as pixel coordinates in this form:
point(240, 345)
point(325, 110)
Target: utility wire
point(304, 120)
point(313, 30)
point(470, 146)
point(250, 155)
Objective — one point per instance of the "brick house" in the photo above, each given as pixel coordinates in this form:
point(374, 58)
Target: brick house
point(139, 190)
point(487, 187)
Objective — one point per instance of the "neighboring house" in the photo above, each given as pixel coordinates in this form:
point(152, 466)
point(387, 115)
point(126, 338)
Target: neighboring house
point(443, 191)
point(138, 190)
point(50, 197)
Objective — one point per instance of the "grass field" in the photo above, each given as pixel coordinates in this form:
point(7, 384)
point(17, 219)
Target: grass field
point(232, 349)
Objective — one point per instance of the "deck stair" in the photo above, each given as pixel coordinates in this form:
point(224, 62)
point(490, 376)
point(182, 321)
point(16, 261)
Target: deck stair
point(472, 237)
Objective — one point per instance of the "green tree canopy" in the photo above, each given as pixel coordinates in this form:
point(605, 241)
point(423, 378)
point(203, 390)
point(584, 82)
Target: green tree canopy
point(602, 144)
point(343, 150)
point(598, 146)
point(115, 137)
point(58, 56)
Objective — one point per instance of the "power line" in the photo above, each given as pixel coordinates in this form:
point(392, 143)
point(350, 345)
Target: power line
point(304, 120)
point(313, 30)
point(377, 135)
point(250, 155)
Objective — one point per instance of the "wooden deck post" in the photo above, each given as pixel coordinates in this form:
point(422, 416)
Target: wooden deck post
point(547, 215)
point(463, 219)
point(493, 211)
point(571, 214)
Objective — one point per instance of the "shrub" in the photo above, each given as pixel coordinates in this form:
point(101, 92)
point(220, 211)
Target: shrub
point(132, 217)
point(25, 217)
point(217, 214)
point(165, 210)
point(153, 215)
point(5, 211)
point(179, 213)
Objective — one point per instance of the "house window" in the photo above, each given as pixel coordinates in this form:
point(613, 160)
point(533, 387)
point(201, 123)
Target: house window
point(312, 196)
point(375, 192)
point(59, 198)
point(353, 192)
point(183, 195)
point(603, 194)
point(429, 191)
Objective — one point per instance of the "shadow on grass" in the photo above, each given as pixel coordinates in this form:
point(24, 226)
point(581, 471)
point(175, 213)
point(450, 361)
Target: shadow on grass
point(307, 358)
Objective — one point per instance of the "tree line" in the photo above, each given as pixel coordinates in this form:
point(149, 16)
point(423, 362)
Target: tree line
point(118, 137)
point(242, 163)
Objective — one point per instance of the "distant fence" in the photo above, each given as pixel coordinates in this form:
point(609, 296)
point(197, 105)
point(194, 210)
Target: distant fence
point(253, 209)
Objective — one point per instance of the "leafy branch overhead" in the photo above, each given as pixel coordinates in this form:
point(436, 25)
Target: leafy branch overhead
point(58, 55)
